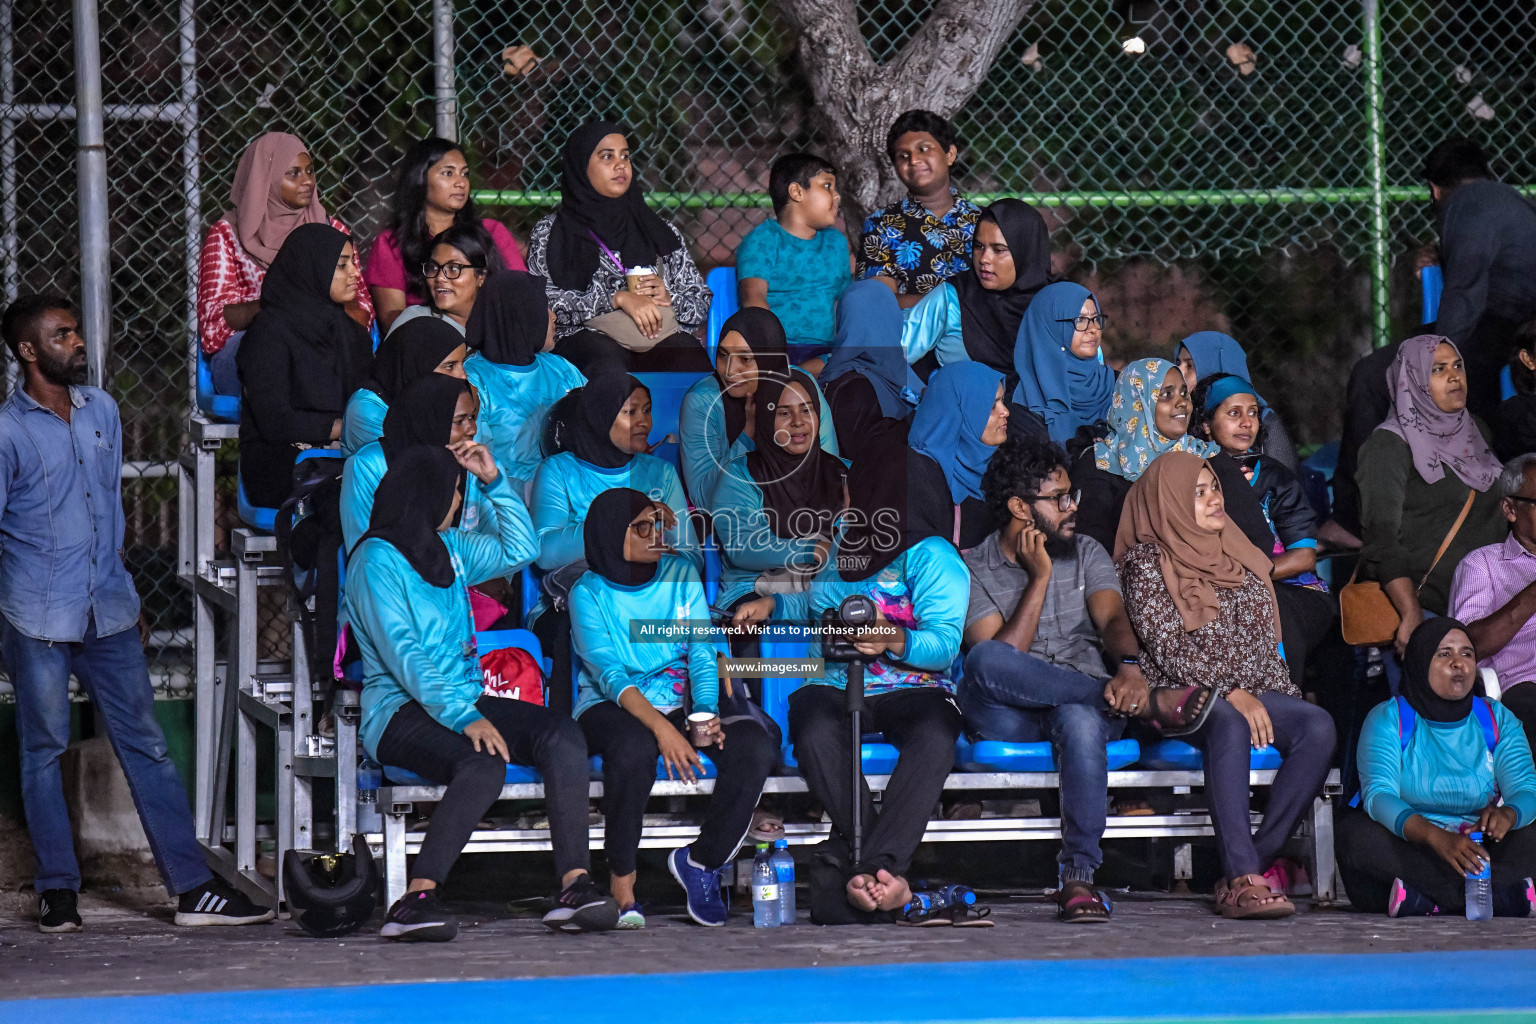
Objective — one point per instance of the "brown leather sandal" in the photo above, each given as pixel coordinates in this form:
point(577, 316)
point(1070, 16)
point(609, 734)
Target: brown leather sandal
point(1249, 898)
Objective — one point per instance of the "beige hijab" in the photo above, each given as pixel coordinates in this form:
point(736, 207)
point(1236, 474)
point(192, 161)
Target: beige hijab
point(260, 217)
point(1160, 509)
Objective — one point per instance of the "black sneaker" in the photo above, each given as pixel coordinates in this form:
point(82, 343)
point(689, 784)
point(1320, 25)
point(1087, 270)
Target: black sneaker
point(56, 911)
point(583, 907)
point(419, 917)
point(216, 903)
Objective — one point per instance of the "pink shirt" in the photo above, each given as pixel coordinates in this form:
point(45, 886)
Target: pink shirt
point(1486, 580)
point(386, 269)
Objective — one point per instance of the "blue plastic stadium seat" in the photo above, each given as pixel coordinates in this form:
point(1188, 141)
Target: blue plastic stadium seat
point(1431, 284)
point(712, 568)
point(1176, 755)
point(1317, 472)
point(667, 391)
point(595, 765)
point(260, 517)
point(722, 282)
point(1001, 756)
point(488, 640)
point(213, 406)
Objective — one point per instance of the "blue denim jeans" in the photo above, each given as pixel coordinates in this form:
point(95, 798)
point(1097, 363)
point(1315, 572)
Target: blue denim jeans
point(1016, 697)
point(223, 368)
point(112, 670)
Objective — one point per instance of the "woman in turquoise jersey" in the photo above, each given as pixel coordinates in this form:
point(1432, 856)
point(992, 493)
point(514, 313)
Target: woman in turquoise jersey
point(423, 705)
point(635, 694)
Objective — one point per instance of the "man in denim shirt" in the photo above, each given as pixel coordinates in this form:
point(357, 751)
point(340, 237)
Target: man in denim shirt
point(68, 605)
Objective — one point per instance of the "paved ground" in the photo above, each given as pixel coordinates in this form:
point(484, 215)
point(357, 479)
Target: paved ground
point(129, 948)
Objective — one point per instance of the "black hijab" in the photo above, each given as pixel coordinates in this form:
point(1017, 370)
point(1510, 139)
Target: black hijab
point(296, 300)
point(590, 417)
point(626, 225)
point(791, 482)
point(603, 532)
point(511, 318)
point(422, 413)
point(880, 527)
point(1416, 660)
point(989, 321)
point(764, 335)
point(410, 503)
point(410, 353)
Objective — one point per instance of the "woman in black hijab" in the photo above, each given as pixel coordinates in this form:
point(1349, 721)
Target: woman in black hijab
point(599, 433)
point(435, 410)
point(601, 229)
point(301, 359)
point(1434, 765)
point(991, 305)
point(423, 709)
point(419, 346)
point(511, 321)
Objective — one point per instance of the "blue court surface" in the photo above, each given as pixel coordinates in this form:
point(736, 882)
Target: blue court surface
point(1491, 986)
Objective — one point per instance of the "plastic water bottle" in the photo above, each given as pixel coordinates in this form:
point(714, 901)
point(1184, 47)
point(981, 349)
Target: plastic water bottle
point(370, 776)
point(955, 895)
point(1480, 888)
point(784, 874)
point(765, 890)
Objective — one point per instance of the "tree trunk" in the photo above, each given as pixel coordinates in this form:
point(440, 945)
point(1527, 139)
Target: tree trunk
point(857, 99)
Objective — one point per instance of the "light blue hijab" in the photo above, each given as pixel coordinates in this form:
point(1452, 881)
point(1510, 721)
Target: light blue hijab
point(949, 422)
point(1067, 391)
point(1214, 352)
point(868, 342)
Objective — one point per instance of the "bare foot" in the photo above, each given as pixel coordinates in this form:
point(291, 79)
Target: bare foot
point(859, 894)
point(895, 892)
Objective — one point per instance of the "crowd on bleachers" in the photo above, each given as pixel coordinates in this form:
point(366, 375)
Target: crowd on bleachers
point(1056, 548)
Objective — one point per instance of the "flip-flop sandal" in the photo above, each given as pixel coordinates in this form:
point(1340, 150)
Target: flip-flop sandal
point(1250, 898)
point(919, 913)
point(1191, 725)
point(766, 827)
point(1084, 908)
point(968, 915)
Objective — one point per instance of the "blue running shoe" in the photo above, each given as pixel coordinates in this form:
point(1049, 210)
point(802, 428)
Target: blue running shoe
point(706, 903)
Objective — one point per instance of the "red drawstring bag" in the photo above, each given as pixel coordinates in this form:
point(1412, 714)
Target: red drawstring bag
point(512, 673)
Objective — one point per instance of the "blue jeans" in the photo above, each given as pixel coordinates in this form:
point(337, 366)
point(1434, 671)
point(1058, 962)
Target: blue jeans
point(223, 369)
point(1016, 697)
point(112, 670)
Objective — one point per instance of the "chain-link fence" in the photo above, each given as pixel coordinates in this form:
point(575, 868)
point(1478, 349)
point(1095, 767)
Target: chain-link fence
point(1206, 164)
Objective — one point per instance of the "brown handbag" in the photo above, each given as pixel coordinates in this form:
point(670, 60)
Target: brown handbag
point(1367, 615)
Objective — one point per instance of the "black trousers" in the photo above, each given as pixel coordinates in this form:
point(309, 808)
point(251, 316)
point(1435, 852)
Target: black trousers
point(591, 352)
point(921, 723)
point(1304, 736)
point(553, 628)
point(629, 753)
point(1485, 352)
point(1521, 702)
point(534, 736)
point(1370, 856)
point(1306, 618)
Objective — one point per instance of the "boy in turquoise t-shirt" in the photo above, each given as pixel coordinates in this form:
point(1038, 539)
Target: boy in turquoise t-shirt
point(798, 263)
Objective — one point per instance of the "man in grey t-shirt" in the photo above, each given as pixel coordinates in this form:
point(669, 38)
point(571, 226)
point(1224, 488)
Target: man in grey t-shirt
point(1045, 617)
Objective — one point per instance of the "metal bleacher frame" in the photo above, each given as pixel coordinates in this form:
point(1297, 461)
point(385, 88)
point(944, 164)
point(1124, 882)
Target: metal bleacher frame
point(242, 703)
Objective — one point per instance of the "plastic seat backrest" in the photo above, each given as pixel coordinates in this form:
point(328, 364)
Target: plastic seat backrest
point(215, 406)
point(722, 282)
point(667, 391)
point(260, 517)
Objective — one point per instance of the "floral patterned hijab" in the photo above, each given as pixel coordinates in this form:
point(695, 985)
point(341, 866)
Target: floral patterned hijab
point(1134, 440)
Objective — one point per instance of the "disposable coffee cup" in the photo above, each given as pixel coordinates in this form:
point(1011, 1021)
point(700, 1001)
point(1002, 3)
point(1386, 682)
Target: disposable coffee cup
point(633, 275)
point(699, 724)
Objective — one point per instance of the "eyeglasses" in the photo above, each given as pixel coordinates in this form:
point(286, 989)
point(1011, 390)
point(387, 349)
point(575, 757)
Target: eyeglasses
point(646, 527)
point(431, 268)
point(1082, 323)
point(1523, 500)
point(1065, 501)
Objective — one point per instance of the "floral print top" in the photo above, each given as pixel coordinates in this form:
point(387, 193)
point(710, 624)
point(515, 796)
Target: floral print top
point(921, 251)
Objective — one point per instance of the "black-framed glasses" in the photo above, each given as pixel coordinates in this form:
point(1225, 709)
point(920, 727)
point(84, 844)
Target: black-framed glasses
point(1082, 323)
point(1065, 501)
point(431, 268)
point(645, 528)
point(1521, 499)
